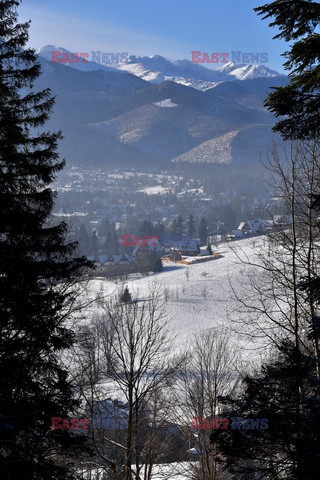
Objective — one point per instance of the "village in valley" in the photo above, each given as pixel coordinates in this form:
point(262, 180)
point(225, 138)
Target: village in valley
point(187, 219)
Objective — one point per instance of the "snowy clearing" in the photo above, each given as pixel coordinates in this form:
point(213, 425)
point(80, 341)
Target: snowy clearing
point(199, 296)
point(155, 190)
point(167, 103)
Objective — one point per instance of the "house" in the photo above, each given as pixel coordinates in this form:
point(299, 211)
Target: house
point(178, 246)
point(257, 226)
point(147, 258)
point(110, 260)
point(109, 415)
point(252, 227)
point(113, 265)
point(235, 234)
point(113, 414)
point(282, 220)
point(123, 260)
point(175, 254)
point(245, 228)
point(153, 246)
point(189, 248)
point(167, 248)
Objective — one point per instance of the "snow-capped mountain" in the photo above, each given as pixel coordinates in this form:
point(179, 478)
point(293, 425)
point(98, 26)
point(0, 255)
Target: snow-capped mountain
point(246, 72)
point(77, 62)
point(113, 116)
point(157, 69)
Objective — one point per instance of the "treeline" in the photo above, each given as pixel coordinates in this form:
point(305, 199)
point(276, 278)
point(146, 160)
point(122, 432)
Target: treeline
point(105, 239)
point(283, 306)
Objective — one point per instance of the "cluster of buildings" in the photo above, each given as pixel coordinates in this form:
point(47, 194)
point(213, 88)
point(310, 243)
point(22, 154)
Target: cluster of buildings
point(123, 264)
point(142, 259)
point(258, 227)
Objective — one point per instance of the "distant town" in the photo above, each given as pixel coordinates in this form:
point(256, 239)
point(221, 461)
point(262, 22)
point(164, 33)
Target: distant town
point(185, 216)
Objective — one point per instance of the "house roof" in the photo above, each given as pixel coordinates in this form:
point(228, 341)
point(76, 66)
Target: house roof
point(153, 244)
point(102, 259)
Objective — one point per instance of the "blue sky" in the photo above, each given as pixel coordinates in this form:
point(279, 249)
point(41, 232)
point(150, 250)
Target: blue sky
point(172, 28)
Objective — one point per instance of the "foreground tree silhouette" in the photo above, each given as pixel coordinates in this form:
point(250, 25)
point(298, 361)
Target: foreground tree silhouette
point(287, 391)
point(275, 452)
point(37, 273)
point(299, 101)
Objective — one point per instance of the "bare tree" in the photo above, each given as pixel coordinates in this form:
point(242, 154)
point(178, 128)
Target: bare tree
point(129, 347)
point(187, 273)
point(209, 372)
point(273, 301)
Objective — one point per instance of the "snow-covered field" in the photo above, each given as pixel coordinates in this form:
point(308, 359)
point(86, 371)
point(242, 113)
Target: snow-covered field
point(199, 296)
point(165, 471)
point(155, 190)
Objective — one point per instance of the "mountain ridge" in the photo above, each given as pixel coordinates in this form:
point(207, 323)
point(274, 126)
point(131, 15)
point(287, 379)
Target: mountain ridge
point(110, 117)
point(157, 69)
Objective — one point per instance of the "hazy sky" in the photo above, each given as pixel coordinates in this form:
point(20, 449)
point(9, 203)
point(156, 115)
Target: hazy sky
point(171, 28)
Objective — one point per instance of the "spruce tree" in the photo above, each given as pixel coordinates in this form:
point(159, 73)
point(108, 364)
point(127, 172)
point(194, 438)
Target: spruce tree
point(37, 273)
point(94, 245)
point(287, 391)
point(146, 228)
point(173, 228)
point(191, 226)
point(126, 297)
point(277, 451)
point(157, 265)
point(299, 101)
point(179, 226)
point(84, 240)
point(203, 231)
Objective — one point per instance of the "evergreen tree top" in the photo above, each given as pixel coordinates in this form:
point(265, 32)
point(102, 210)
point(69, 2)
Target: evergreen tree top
point(38, 272)
point(300, 100)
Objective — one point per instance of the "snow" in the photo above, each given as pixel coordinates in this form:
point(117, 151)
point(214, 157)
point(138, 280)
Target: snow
point(156, 69)
point(216, 150)
point(166, 103)
point(243, 72)
point(199, 296)
point(139, 71)
point(164, 471)
point(155, 190)
point(171, 471)
point(69, 215)
point(85, 66)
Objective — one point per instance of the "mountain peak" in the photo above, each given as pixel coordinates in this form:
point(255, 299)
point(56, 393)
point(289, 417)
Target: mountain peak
point(157, 69)
point(85, 66)
point(245, 71)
